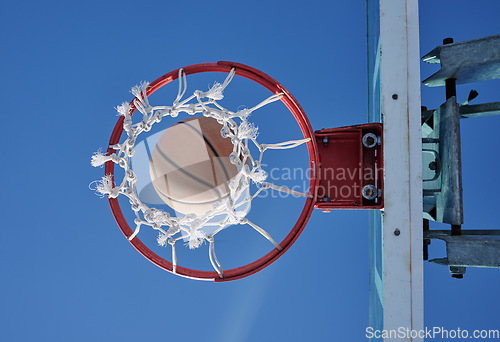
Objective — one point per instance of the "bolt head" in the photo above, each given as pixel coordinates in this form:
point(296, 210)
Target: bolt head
point(369, 192)
point(447, 41)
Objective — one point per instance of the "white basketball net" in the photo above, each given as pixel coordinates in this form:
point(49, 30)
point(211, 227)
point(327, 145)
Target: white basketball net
point(170, 228)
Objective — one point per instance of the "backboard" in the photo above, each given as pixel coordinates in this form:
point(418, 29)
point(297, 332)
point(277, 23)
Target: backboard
point(396, 262)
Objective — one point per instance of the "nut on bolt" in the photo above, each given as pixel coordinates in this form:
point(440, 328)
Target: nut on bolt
point(370, 192)
point(370, 140)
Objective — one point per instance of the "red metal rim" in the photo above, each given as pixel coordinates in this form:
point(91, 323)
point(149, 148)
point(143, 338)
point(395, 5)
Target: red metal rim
point(297, 112)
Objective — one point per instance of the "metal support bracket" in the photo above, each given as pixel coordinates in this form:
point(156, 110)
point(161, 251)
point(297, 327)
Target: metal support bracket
point(468, 61)
point(351, 169)
point(462, 62)
point(470, 111)
point(473, 248)
point(442, 165)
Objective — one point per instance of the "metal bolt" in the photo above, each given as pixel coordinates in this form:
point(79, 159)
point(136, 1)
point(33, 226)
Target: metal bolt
point(394, 96)
point(447, 41)
point(369, 140)
point(450, 83)
point(433, 166)
point(457, 272)
point(326, 199)
point(326, 140)
point(369, 192)
point(397, 232)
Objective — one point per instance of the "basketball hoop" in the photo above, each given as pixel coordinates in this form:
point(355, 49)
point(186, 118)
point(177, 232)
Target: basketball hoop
point(248, 168)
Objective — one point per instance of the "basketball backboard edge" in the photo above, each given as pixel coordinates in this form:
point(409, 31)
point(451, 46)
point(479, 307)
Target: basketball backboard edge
point(396, 262)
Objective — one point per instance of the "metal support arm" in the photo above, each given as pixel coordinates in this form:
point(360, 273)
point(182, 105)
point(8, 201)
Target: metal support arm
point(474, 248)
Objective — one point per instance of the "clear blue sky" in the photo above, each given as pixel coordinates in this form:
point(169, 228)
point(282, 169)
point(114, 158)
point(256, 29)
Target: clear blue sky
point(67, 272)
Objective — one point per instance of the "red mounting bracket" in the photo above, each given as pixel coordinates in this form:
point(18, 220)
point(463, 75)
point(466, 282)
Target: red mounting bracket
point(351, 167)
